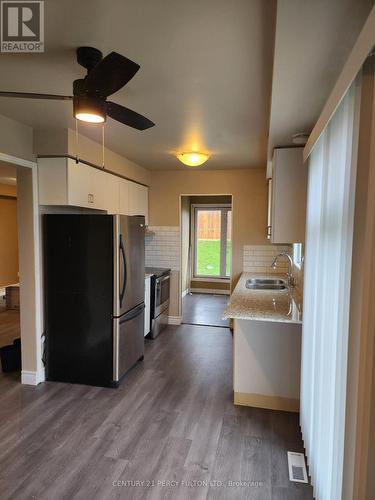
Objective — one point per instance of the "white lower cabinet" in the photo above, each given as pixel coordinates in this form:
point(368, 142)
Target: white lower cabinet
point(63, 182)
point(147, 305)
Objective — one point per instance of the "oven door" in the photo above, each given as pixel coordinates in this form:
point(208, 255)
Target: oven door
point(162, 285)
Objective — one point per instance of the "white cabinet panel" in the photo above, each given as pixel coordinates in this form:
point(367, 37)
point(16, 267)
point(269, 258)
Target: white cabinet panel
point(83, 186)
point(52, 181)
point(124, 197)
point(269, 210)
point(107, 188)
point(288, 196)
point(138, 200)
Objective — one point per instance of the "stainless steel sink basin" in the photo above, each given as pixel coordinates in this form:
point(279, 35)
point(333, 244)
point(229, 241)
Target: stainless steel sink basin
point(265, 284)
point(266, 281)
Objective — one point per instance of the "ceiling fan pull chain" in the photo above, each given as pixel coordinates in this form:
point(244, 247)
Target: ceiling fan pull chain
point(77, 157)
point(103, 165)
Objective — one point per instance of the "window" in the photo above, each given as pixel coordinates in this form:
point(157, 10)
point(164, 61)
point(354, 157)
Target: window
point(212, 241)
point(297, 255)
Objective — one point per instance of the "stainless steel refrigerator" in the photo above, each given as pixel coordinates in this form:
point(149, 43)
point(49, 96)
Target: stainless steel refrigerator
point(93, 297)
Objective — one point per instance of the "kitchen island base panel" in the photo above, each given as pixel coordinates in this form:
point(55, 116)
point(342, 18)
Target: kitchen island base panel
point(266, 402)
point(267, 359)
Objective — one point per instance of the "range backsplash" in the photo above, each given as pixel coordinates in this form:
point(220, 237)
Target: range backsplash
point(163, 247)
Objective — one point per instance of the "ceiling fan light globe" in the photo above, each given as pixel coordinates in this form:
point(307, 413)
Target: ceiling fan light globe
point(90, 118)
point(89, 109)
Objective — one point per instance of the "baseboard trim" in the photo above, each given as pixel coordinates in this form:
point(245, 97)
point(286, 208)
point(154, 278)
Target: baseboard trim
point(184, 293)
point(268, 402)
point(32, 378)
point(174, 320)
point(209, 291)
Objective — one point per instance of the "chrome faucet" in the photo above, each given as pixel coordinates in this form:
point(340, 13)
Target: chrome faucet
point(290, 267)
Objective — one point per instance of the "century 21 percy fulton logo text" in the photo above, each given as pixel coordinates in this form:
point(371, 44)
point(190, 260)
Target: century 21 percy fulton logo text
point(22, 26)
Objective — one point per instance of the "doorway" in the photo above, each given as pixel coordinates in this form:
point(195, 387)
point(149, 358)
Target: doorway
point(21, 311)
point(10, 330)
point(206, 258)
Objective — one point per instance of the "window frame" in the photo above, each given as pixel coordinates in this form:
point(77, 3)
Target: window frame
point(298, 255)
point(224, 208)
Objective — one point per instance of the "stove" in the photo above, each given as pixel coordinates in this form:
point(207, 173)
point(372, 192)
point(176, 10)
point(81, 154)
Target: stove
point(160, 287)
point(157, 271)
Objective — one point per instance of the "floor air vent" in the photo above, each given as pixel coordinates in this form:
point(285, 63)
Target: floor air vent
point(297, 467)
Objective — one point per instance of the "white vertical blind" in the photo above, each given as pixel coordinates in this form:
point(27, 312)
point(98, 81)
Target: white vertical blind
point(329, 236)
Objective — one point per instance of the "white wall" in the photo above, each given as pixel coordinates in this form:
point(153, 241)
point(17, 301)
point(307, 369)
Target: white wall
point(16, 139)
point(16, 147)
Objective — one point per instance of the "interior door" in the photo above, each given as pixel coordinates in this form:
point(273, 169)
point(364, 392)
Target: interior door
point(131, 262)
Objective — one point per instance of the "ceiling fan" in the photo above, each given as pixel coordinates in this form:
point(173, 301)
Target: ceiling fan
point(105, 76)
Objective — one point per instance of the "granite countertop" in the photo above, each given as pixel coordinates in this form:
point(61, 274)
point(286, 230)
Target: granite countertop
point(263, 305)
point(148, 275)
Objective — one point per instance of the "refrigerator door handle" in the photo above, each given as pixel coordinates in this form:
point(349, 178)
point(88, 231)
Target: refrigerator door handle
point(122, 250)
point(133, 314)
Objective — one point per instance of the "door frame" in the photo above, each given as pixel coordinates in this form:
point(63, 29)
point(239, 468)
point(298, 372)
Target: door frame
point(29, 248)
point(182, 195)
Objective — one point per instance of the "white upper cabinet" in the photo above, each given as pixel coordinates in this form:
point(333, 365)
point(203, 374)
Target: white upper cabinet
point(124, 196)
point(91, 188)
point(287, 196)
point(64, 182)
point(138, 200)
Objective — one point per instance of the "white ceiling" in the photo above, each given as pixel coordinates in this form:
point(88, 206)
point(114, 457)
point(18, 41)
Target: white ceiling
point(206, 72)
point(313, 40)
point(205, 77)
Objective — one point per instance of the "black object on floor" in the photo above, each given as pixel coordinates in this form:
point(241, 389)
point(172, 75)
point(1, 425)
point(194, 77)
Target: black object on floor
point(10, 356)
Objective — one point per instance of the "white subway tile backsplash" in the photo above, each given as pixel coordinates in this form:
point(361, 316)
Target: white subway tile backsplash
point(163, 249)
point(258, 258)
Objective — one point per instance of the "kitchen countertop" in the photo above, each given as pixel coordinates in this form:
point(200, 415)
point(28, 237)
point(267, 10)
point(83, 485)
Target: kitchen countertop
point(263, 305)
point(148, 275)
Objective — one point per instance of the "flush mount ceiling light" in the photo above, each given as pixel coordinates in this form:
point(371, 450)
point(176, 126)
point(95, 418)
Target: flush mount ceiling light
point(192, 158)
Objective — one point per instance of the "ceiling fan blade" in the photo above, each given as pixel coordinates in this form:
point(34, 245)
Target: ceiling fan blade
point(28, 95)
point(128, 117)
point(110, 75)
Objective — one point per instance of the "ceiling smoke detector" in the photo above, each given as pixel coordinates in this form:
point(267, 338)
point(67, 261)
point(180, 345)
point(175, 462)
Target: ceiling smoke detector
point(300, 139)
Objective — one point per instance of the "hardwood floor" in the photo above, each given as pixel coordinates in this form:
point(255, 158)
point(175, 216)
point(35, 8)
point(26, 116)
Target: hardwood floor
point(9, 326)
point(172, 419)
point(204, 309)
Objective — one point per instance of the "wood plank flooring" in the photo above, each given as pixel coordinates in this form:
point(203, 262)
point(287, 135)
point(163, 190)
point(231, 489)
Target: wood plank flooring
point(204, 309)
point(171, 426)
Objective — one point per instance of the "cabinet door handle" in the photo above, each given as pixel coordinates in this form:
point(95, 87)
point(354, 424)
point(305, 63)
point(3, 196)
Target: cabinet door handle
point(269, 229)
point(90, 198)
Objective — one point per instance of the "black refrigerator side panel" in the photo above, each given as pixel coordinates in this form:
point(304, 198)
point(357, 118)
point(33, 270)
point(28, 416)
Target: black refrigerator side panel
point(78, 275)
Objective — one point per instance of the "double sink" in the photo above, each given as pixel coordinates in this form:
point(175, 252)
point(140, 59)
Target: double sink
point(266, 284)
